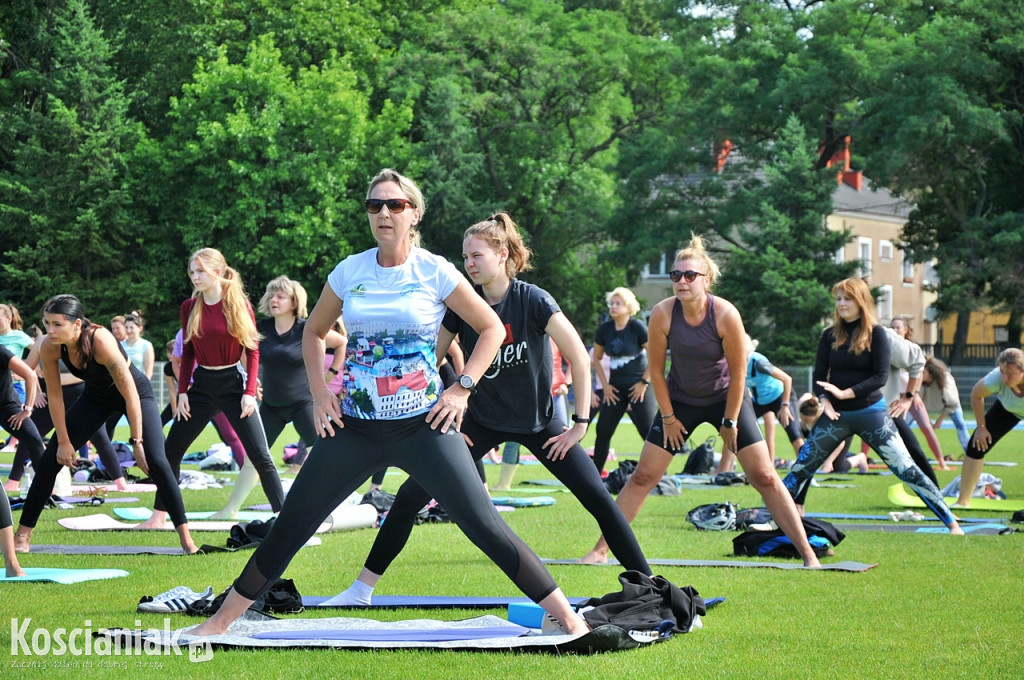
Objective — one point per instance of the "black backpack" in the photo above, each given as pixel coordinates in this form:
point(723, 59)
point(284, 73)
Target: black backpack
point(821, 535)
point(645, 603)
point(701, 460)
point(618, 477)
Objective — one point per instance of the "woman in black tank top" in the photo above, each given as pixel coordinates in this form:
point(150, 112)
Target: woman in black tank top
point(112, 387)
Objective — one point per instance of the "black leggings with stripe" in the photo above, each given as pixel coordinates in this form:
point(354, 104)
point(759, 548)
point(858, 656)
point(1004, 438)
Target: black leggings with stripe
point(575, 470)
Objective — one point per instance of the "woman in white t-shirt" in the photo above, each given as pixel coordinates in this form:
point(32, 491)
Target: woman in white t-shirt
point(394, 409)
point(1007, 383)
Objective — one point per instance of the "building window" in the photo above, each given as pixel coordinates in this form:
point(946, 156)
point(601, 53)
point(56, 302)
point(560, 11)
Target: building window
point(659, 267)
point(884, 305)
point(1002, 334)
point(864, 255)
point(840, 256)
point(908, 267)
point(885, 251)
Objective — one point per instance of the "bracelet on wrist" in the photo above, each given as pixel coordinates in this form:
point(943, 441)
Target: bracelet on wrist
point(670, 415)
point(332, 370)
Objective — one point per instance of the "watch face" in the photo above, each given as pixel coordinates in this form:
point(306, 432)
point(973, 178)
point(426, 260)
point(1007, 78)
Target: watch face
point(466, 381)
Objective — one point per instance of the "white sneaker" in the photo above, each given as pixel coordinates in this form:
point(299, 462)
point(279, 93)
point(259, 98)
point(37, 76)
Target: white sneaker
point(174, 601)
point(549, 626)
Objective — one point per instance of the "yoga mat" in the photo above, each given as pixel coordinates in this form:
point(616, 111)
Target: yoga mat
point(129, 488)
point(545, 482)
point(900, 497)
point(903, 527)
point(254, 630)
point(108, 523)
point(142, 514)
point(66, 576)
point(835, 566)
point(513, 502)
point(995, 463)
point(426, 602)
point(73, 500)
point(207, 548)
point(885, 518)
point(104, 550)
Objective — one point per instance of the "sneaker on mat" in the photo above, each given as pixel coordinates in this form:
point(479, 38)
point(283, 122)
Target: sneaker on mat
point(174, 601)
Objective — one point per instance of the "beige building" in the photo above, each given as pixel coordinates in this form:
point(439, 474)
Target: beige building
point(875, 218)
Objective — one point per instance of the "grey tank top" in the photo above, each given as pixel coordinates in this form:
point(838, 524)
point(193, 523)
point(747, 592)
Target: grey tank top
point(699, 375)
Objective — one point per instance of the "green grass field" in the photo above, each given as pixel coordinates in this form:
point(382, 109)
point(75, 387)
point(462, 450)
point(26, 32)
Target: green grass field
point(936, 606)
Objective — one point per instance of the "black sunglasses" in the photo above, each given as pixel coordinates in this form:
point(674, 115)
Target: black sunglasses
point(395, 205)
point(689, 275)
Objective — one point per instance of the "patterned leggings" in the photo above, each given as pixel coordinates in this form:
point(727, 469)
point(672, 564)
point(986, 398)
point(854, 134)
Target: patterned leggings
point(874, 426)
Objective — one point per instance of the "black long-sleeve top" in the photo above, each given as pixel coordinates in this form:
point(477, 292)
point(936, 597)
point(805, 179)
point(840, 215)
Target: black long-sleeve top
point(866, 372)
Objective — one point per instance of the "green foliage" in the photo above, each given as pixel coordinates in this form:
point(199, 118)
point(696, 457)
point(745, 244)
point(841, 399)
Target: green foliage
point(64, 194)
point(781, 278)
point(268, 167)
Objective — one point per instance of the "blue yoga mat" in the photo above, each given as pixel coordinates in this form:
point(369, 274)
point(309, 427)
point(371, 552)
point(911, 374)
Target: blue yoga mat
point(528, 502)
point(66, 575)
point(427, 601)
point(142, 514)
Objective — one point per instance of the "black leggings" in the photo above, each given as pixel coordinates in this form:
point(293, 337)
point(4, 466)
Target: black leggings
point(30, 444)
point(6, 519)
point(998, 421)
point(86, 416)
point(641, 413)
point(276, 417)
point(913, 445)
point(338, 465)
point(574, 470)
point(44, 424)
point(218, 390)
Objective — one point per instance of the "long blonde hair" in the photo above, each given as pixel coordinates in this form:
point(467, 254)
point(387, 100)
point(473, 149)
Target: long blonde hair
point(859, 292)
point(500, 231)
point(236, 306)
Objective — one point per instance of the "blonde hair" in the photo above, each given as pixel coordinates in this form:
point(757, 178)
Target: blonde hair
point(859, 292)
point(500, 231)
point(12, 311)
point(411, 191)
point(236, 309)
point(627, 297)
point(293, 289)
point(1012, 357)
point(696, 251)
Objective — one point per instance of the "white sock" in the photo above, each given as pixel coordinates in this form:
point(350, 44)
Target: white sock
point(357, 594)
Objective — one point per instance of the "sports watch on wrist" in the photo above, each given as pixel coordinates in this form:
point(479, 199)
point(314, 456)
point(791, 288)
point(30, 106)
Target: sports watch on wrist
point(908, 395)
point(467, 382)
point(577, 419)
point(729, 423)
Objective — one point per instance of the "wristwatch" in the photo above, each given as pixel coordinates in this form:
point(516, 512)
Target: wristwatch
point(577, 419)
point(132, 441)
point(467, 382)
point(729, 423)
point(908, 395)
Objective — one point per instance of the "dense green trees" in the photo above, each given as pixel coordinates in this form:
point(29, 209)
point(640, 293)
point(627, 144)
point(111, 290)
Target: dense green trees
point(133, 131)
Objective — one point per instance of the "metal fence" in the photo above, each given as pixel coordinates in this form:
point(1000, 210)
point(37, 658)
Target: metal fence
point(965, 377)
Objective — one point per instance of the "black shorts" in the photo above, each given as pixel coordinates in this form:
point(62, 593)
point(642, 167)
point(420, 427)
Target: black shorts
point(691, 416)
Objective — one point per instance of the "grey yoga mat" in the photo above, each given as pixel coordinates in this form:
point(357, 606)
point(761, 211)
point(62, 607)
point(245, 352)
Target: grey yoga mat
point(834, 566)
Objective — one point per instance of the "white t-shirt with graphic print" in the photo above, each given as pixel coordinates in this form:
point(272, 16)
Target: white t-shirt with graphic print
point(392, 316)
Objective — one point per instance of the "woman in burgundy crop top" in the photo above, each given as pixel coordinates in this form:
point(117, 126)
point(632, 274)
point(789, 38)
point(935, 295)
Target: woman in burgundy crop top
point(219, 328)
point(706, 384)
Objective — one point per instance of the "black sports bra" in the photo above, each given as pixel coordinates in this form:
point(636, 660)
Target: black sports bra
point(93, 373)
